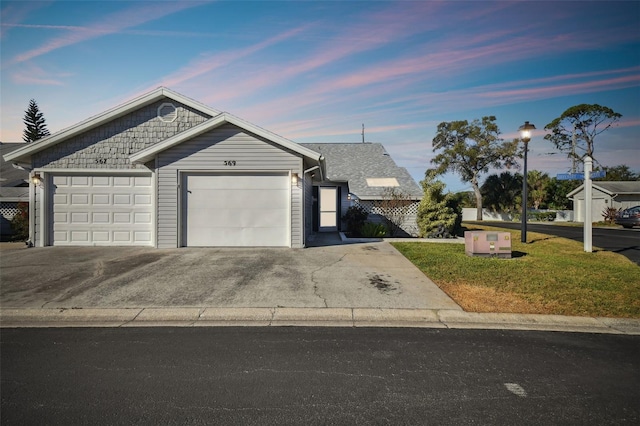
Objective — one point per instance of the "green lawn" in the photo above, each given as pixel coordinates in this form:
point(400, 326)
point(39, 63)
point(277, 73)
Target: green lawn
point(549, 275)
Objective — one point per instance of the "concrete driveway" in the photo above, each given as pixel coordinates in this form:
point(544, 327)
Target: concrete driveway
point(370, 275)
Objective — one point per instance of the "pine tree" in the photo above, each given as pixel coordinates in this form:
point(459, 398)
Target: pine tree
point(437, 210)
point(35, 122)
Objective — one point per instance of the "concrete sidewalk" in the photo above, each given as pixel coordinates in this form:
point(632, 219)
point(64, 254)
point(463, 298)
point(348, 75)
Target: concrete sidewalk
point(334, 283)
point(321, 317)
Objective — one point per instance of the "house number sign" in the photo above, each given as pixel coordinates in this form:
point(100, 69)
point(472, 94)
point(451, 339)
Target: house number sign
point(230, 163)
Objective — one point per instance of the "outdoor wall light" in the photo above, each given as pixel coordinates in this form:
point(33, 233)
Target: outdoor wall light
point(525, 135)
point(294, 178)
point(36, 179)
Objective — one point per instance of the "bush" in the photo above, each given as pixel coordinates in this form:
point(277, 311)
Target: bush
point(355, 217)
point(373, 230)
point(536, 216)
point(609, 214)
point(20, 223)
point(542, 216)
point(436, 209)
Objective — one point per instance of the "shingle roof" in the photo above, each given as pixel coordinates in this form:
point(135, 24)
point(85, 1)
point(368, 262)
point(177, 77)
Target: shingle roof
point(356, 162)
point(18, 193)
point(612, 187)
point(9, 175)
point(623, 187)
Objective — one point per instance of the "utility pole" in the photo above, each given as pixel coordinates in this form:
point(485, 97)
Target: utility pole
point(362, 132)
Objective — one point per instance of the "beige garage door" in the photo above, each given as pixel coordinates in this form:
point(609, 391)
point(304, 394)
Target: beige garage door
point(227, 210)
point(101, 210)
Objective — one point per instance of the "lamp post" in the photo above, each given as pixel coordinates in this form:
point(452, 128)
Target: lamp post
point(525, 135)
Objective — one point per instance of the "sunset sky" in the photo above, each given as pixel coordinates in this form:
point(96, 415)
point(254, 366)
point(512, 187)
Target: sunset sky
point(317, 71)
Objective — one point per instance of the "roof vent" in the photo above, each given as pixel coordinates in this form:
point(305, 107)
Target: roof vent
point(167, 112)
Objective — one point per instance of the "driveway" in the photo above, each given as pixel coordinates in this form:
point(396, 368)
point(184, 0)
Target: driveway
point(372, 275)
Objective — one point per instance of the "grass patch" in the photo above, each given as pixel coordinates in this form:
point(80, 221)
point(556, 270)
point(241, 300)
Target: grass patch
point(549, 275)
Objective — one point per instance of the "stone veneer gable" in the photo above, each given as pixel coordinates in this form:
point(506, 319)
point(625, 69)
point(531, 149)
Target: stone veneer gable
point(109, 145)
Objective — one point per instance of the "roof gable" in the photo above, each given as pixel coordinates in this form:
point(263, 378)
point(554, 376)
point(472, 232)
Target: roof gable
point(9, 175)
point(148, 154)
point(105, 117)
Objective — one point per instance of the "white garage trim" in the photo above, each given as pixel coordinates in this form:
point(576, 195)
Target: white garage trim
point(235, 209)
point(99, 209)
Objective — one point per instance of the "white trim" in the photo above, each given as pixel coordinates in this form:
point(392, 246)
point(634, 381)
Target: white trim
point(174, 113)
point(154, 200)
point(147, 154)
point(94, 171)
point(32, 211)
point(290, 203)
point(97, 120)
point(45, 226)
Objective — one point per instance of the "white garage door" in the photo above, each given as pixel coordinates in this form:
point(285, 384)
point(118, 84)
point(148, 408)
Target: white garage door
point(102, 210)
point(250, 210)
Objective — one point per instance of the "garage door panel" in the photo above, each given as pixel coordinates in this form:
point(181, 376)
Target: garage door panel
point(237, 210)
point(101, 210)
point(237, 237)
point(235, 199)
point(221, 218)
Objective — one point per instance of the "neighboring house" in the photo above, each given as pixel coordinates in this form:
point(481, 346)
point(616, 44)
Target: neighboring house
point(166, 171)
point(363, 174)
point(619, 195)
point(14, 188)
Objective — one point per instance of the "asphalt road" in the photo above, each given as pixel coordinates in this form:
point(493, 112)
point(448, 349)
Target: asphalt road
point(623, 241)
point(231, 376)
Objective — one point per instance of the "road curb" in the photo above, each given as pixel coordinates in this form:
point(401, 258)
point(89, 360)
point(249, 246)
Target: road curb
point(315, 317)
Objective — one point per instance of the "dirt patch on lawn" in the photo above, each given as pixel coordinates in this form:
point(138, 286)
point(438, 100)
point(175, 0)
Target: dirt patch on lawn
point(486, 299)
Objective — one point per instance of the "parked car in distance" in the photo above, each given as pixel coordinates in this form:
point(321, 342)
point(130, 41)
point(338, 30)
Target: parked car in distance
point(629, 217)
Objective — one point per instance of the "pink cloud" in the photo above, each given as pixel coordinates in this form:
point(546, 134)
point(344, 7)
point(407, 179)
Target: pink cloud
point(110, 24)
point(373, 31)
point(31, 75)
point(20, 78)
point(15, 12)
point(208, 63)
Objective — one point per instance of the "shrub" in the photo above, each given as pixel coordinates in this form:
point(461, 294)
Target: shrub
point(536, 216)
point(355, 217)
point(609, 214)
point(437, 209)
point(543, 216)
point(373, 230)
point(20, 223)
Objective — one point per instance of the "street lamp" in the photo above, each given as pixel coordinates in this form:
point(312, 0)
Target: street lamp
point(525, 135)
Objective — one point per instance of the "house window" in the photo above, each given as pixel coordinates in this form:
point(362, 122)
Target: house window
point(167, 112)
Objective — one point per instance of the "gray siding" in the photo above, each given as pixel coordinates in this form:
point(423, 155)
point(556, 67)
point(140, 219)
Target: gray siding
point(109, 145)
point(208, 152)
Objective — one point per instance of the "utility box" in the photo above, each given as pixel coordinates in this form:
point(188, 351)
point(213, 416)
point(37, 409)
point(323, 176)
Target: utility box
point(488, 244)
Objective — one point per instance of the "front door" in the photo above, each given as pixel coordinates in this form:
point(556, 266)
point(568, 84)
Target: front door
point(328, 209)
